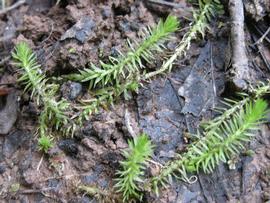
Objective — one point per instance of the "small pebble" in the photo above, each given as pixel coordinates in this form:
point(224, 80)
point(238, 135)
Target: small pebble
point(75, 90)
point(2, 169)
point(106, 12)
point(68, 146)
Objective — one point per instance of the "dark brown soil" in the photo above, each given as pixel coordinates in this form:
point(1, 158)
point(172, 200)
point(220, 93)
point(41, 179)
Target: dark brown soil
point(68, 37)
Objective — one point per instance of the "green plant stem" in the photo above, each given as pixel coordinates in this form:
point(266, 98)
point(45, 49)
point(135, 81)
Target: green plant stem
point(234, 106)
point(199, 25)
point(34, 80)
point(140, 149)
point(218, 145)
point(127, 64)
point(105, 96)
point(168, 64)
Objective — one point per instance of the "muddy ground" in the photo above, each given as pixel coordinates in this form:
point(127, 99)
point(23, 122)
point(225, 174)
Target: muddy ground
point(66, 38)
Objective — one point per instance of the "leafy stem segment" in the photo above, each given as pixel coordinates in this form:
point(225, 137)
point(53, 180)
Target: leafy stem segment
point(34, 80)
point(104, 97)
point(126, 65)
point(232, 106)
point(140, 149)
point(217, 145)
point(208, 9)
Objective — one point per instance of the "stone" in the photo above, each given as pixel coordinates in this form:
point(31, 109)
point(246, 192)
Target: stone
point(81, 31)
point(8, 113)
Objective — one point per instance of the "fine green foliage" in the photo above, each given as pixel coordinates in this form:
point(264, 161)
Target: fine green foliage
point(207, 10)
point(226, 140)
point(53, 113)
point(260, 89)
point(104, 97)
point(232, 106)
point(45, 143)
point(31, 75)
point(103, 196)
point(121, 75)
point(127, 64)
point(140, 149)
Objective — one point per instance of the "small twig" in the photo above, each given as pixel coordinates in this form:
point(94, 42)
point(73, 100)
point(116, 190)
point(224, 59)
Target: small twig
point(63, 177)
point(39, 164)
point(7, 84)
point(17, 4)
point(240, 70)
point(266, 62)
point(35, 191)
point(260, 40)
point(155, 163)
point(166, 3)
point(57, 3)
point(261, 33)
point(128, 124)
point(212, 74)
point(260, 51)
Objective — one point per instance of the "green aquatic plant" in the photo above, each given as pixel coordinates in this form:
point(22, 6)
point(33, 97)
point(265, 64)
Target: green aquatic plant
point(140, 149)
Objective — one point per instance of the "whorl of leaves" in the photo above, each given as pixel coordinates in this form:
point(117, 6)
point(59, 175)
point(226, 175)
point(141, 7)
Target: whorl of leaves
point(140, 149)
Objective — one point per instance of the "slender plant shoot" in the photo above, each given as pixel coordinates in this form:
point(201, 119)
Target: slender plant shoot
point(127, 64)
point(35, 81)
point(140, 149)
point(208, 9)
point(219, 145)
point(105, 96)
point(45, 143)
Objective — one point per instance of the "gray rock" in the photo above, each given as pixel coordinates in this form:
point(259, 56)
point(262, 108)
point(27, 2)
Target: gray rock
point(197, 94)
point(75, 90)
point(14, 141)
point(197, 89)
point(257, 9)
point(71, 90)
point(2, 168)
point(8, 113)
point(106, 12)
point(160, 117)
point(81, 31)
